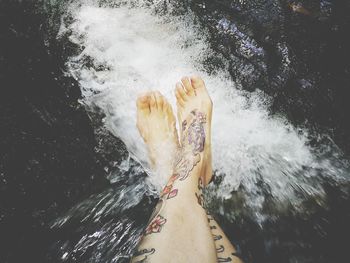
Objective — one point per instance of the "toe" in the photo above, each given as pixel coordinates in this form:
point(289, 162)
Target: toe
point(168, 108)
point(181, 90)
point(159, 100)
point(179, 100)
point(197, 82)
point(169, 111)
point(188, 86)
point(152, 102)
point(180, 105)
point(143, 103)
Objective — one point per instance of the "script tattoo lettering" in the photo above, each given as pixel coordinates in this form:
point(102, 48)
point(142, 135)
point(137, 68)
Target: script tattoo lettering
point(217, 237)
point(220, 249)
point(223, 255)
point(199, 195)
point(228, 259)
point(142, 255)
point(210, 218)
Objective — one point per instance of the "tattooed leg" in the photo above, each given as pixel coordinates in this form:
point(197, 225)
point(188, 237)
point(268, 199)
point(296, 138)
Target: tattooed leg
point(191, 94)
point(178, 230)
point(225, 251)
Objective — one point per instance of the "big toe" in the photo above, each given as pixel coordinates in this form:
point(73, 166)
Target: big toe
point(189, 89)
point(143, 103)
point(160, 100)
point(153, 102)
point(197, 83)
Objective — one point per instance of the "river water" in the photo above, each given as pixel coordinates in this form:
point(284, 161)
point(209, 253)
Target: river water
point(281, 187)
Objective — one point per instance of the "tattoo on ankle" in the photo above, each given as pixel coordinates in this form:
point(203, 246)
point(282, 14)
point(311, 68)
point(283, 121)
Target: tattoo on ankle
point(193, 141)
point(168, 189)
point(156, 225)
point(142, 255)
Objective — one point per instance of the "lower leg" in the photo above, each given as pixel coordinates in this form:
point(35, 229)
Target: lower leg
point(179, 226)
point(225, 251)
point(191, 94)
point(178, 230)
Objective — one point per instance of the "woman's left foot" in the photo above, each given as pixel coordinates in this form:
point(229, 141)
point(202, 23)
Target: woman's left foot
point(194, 110)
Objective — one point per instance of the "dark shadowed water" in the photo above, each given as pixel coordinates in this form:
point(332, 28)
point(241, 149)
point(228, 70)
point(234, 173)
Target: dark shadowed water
point(74, 184)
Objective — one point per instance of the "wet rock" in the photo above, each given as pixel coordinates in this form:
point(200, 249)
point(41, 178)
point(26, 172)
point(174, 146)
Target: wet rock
point(272, 45)
point(47, 157)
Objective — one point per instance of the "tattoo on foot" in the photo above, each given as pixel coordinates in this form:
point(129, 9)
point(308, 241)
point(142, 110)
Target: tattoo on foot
point(142, 255)
point(195, 133)
point(188, 156)
point(156, 225)
point(193, 141)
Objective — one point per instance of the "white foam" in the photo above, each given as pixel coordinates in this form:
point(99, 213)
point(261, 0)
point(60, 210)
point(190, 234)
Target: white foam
point(141, 52)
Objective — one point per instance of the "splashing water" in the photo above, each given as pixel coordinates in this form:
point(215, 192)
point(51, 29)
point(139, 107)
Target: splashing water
point(126, 51)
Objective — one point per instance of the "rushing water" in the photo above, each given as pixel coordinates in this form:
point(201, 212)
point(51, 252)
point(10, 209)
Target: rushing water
point(126, 51)
point(274, 186)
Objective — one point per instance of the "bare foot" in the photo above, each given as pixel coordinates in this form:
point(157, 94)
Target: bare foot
point(157, 126)
point(194, 107)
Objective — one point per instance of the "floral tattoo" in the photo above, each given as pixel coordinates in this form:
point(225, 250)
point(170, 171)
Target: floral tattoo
point(192, 144)
point(156, 225)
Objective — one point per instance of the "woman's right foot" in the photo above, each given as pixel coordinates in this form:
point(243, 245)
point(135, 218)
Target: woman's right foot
point(194, 110)
point(157, 126)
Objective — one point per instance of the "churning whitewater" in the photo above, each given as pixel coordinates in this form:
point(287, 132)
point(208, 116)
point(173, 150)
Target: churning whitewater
point(126, 51)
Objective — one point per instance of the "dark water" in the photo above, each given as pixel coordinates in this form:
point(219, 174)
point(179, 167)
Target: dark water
point(56, 202)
